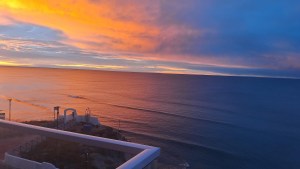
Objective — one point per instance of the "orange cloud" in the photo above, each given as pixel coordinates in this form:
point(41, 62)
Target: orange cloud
point(108, 26)
point(92, 66)
point(168, 68)
point(100, 26)
point(179, 70)
point(12, 63)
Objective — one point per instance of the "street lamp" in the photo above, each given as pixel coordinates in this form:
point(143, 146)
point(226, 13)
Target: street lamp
point(9, 110)
point(56, 111)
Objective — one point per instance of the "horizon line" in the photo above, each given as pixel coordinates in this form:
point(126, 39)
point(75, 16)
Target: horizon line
point(164, 73)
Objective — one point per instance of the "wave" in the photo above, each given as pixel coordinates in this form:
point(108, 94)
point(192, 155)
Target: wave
point(172, 103)
point(171, 114)
point(76, 97)
point(193, 105)
point(187, 104)
point(30, 104)
point(155, 111)
point(117, 120)
point(25, 102)
point(161, 112)
point(163, 140)
point(183, 143)
point(159, 101)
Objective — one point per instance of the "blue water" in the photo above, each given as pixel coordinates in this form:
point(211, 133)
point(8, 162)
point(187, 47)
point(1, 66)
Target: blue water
point(206, 122)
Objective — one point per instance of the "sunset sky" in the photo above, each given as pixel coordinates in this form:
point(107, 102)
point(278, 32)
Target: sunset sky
point(212, 37)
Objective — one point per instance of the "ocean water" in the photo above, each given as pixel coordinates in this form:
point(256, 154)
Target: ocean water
point(204, 122)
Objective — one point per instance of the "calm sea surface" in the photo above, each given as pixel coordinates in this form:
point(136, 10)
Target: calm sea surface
point(205, 121)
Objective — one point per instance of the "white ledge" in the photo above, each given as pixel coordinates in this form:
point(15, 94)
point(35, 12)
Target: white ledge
point(145, 154)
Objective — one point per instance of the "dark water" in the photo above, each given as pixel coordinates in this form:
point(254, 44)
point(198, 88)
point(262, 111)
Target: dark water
point(205, 121)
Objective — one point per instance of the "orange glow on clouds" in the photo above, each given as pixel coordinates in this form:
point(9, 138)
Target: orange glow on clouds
point(104, 26)
point(167, 68)
point(113, 67)
point(86, 24)
point(189, 37)
point(179, 70)
point(12, 63)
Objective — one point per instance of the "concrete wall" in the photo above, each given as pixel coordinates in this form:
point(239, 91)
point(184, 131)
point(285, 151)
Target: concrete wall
point(21, 163)
point(92, 120)
point(81, 118)
point(68, 118)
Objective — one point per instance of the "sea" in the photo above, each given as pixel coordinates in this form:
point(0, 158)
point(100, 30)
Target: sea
point(199, 122)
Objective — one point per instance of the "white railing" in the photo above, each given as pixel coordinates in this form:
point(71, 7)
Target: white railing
point(145, 154)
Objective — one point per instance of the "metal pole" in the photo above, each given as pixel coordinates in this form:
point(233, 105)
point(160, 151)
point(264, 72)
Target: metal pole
point(56, 111)
point(54, 114)
point(57, 119)
point(119, 125)
point(9, 115)
point(57, 116)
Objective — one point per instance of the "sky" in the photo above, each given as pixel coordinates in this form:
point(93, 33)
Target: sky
point(210, 37)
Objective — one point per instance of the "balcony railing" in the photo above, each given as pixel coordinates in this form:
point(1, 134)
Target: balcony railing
point(145, 155)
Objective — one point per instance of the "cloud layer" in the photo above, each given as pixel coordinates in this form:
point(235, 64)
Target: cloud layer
point(233, 37)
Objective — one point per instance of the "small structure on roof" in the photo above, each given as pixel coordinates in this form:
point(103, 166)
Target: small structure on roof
point(86, 118)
